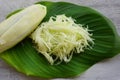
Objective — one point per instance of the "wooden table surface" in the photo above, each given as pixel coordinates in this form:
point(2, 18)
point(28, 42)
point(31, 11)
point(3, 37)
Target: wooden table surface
point(105, 70)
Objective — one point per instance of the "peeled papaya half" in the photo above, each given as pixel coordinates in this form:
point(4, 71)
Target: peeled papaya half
point(20, 25)
point(24, 58)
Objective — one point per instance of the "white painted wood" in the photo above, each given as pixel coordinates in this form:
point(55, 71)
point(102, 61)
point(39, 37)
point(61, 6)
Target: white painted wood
point(105, 70)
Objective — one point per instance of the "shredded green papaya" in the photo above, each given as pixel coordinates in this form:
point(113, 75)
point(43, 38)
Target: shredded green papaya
point(60, 37)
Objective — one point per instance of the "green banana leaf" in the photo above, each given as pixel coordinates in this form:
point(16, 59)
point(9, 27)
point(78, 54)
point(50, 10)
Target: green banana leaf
point(24, 58)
